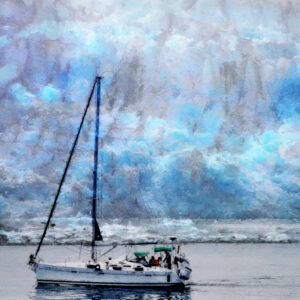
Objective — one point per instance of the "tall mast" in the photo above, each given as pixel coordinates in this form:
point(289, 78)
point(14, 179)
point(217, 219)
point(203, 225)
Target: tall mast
point(96, 234)
point(33, 256)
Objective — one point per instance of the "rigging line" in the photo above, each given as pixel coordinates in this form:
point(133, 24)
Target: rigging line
point(99, 213)
point(65, 170)
point(110, 249)
point(151, 214)
point(75, 250)
point(101, 187)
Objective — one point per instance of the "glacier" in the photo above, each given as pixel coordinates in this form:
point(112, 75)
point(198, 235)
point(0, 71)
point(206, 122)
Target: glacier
point(199, 118)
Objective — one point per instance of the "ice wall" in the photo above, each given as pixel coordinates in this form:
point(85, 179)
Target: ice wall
point(200, 114)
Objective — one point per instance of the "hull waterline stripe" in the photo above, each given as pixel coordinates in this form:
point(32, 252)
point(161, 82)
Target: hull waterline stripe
point(112, 284)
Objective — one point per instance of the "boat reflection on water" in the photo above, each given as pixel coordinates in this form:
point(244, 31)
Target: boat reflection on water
point(49, 291)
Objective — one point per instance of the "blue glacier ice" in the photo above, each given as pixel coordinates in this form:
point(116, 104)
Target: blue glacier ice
point(199, 116)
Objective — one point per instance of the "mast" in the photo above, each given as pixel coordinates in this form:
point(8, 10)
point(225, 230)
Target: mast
point(32, 257)
point(96, 234)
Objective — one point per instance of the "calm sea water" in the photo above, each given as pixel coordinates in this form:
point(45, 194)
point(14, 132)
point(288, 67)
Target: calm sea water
point(220, 271)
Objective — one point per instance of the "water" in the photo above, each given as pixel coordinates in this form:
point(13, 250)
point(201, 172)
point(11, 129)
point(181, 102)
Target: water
point(220, 271)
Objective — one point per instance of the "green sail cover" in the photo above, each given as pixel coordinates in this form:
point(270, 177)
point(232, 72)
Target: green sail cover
point(140, 254)
point(159, 249)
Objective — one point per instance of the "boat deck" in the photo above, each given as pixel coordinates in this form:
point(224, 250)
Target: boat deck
point(124, 264)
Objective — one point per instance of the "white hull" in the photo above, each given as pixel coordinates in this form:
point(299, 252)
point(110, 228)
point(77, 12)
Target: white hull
point(152, 278)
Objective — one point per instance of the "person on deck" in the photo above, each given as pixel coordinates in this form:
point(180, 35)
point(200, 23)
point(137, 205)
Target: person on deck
point(159, 261)
point(153, 261)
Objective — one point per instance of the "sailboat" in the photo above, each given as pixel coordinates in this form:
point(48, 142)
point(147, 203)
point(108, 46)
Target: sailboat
point(135, 270)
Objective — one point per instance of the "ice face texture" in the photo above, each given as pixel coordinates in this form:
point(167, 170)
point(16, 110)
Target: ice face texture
point(200, 114)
